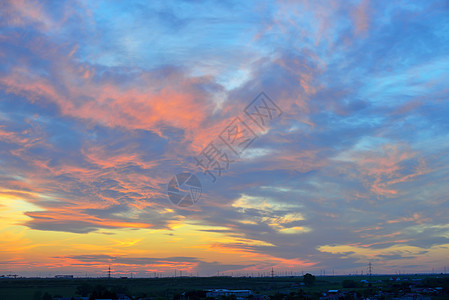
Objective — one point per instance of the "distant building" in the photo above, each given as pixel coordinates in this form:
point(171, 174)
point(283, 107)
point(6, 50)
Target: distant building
point(412, 296)
point(71, 298)
point(64, 276)
point(239, 294)
point(261, 297)
point(332, 295)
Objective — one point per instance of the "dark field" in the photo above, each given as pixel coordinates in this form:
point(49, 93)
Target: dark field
point(170, 288)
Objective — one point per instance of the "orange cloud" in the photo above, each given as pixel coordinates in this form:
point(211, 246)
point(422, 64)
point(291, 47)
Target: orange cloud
point(415, 218)
point(150, 105)
point(382, 169)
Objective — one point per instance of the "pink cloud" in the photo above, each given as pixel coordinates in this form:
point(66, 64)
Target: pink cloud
point(360, 17)
point(382, 169)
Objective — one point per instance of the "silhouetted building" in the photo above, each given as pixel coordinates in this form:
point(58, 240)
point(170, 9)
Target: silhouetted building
point(239, 294)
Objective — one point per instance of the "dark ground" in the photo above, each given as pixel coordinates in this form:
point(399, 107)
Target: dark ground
point(171, 288)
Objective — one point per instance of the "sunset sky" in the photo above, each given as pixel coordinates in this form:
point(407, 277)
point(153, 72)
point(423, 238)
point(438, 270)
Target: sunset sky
point(102, 103)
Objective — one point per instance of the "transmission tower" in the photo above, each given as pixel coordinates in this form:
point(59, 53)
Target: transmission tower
point(370, 269)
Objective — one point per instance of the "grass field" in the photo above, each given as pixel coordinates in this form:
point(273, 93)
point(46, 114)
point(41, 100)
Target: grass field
point(167, 288)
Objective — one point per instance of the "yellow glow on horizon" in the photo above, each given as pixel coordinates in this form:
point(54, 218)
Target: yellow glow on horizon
point(13, 207)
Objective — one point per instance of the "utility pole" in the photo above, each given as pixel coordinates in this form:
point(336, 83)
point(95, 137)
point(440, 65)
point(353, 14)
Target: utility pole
point(272, 272)
point(109, 272)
